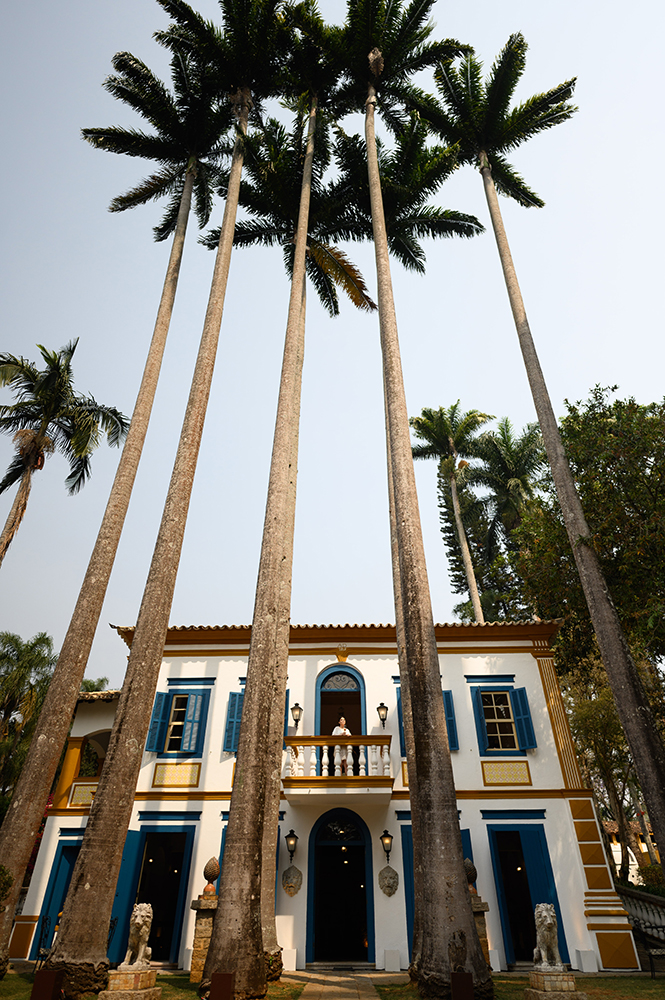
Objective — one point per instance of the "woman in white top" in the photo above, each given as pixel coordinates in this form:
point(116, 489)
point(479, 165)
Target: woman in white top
point(341, 730)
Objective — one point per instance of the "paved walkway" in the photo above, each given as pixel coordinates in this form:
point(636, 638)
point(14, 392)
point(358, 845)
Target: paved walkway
point(342, 985)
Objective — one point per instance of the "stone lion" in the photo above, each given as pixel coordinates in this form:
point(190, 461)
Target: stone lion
point(546, 953)
point(138, 954)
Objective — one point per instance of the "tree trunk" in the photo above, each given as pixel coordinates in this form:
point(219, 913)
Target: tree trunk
point(466, 555)
point(236, 944)
point(33, 788)
point(639, 812)
point(407, 719)
point(449, 939)
point(80, 948)
point(15, 517)
point(632, 705)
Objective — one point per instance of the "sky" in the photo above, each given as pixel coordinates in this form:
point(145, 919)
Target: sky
point(589, 265)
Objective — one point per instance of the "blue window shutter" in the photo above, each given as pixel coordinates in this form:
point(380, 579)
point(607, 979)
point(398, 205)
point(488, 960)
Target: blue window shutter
point(451, 725)
point(402, 744)
point(286, 715)
point(479, 716)
point(190, 730)
point(526, 736)
point(158, 723)
point(233, 716)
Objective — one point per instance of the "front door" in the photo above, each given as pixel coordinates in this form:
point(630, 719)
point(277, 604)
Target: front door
point(341, 901)
point(159, 885)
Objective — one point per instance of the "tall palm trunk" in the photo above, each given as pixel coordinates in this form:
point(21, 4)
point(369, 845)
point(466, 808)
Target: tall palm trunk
point(236, 943)
point(407, 717)
point(31, 793)
point(631, 702)
point(466, 555)
point(449, 939)
point(80, 948)
point(14, 519)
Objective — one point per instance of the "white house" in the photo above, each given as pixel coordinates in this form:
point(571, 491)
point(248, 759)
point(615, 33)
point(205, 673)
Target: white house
point(527, 823)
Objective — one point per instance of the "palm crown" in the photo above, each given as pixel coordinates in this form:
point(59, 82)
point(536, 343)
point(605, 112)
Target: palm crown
point(49, 415)
point(190, 125)
point(476, 115)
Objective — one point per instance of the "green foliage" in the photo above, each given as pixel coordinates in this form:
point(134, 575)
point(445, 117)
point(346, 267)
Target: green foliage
point(49, 415)
point(476, 115)
point(25, 673)
point(616, 451)
point(99, 684)
point(652, 878)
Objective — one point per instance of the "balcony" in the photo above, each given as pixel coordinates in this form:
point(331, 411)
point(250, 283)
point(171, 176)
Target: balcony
point(347, 772)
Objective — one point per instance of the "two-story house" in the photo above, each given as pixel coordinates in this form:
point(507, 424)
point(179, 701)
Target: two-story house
point(527, 823)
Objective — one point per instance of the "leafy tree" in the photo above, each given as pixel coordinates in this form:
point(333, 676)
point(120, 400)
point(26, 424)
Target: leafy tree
point(449, 436)
point(25, 672)
point(185, 141)
point(99, 684)
point(477, 115)
point(49, 416)
point(246, 55)
point(383, 46)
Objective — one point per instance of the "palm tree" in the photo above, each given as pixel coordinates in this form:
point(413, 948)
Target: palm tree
point(25, 672)
point(246, 55)
point(384, 44)
point(450, 436)
point(510, 466)
point(477, 115)
point(185, 141)
point(273, 196)
point(49, 416)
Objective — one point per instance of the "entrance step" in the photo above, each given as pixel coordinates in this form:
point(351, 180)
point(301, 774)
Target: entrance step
point(341, 966)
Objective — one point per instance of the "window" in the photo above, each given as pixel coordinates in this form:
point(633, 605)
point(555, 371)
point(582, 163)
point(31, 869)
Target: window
point(503, 721)
point(234, 716)
point(178, 723)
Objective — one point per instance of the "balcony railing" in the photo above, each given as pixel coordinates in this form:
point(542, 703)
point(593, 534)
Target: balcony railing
point(319, 757)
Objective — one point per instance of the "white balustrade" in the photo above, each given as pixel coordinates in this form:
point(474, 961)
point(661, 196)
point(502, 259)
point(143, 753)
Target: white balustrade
point(338, 761)
point(301, 762)
point(313, 758)
point(324, 762)
point(362, 762)
point(386, 760)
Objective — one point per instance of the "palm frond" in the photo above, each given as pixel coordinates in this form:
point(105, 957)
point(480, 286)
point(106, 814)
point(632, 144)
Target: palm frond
point(15, 470)
point(340, 269)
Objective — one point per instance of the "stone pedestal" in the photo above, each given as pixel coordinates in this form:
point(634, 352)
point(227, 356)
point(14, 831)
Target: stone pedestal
point(545, 985)
point(480, 908)
point(205, 907)
point(127, 985)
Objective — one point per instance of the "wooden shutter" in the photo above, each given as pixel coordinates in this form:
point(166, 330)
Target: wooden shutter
point(233, 716)
point(158, 723)
point(479, 716)
point(451, 725)
point(526, 736)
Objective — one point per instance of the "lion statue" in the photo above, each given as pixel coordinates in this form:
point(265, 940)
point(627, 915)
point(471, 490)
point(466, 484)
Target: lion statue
point(138, 954)
point(546, 953)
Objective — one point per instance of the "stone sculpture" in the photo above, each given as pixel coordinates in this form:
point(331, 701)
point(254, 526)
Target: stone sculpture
point(292, 880)
point(138, 953)
point(546, 953)
point(388, 880)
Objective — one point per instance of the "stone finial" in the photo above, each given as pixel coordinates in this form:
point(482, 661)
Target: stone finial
point(211, 874)
point(471, 871)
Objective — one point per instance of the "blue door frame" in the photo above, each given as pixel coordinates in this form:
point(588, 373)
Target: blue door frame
point(56, 891)
point(349, 816)
point(540, 877)
point(339, 668)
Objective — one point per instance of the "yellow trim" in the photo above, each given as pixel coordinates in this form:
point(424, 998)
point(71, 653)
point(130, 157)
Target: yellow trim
point(582, 810)
point(605, 913)
point(70, 769)
point(560, 728)
point(352, 781)
point(609, 927)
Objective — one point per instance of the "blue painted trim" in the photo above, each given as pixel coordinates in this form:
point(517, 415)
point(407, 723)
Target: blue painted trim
point(171, 817)
point(397, 679)
point(197, 752)
point(339, 668)
point(56, 891)
point(242, 681)
point(402, 815)
point(282, 814)
point(540, 877)
point(190, 681)
point(348, 815)
point(512, 813)
point(409, 892)
point(69, 831)
point(125, 894)
point(489, 678)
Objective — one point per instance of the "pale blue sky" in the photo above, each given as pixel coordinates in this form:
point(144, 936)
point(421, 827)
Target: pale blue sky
point(590, 263)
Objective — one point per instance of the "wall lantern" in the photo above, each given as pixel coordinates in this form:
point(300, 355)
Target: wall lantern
point(296, 712)
point(387, 844)
point(383, 713)
point(291, 843)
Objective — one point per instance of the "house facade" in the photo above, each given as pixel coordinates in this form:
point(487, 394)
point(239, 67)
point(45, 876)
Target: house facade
point(527, 823)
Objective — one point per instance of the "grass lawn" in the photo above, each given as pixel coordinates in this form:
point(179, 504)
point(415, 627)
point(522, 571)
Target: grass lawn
point(175, 987)
point(607, 988)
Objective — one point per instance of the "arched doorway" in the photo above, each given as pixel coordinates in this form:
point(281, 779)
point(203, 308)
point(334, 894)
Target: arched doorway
point(340, 690)
point(340, 896)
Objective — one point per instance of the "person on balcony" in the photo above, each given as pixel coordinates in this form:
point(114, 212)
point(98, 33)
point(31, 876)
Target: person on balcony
point(341, 730)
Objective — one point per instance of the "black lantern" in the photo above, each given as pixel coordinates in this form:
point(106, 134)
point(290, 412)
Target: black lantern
point(296, 712)
point(383, 713)
point(387, 844)
point(291, 843)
